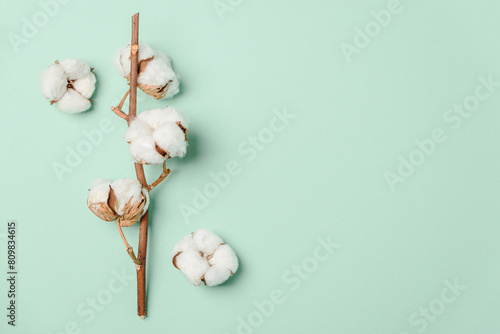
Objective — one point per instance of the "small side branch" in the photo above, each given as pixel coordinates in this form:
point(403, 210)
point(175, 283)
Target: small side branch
point(118, 109)
point(120, 113)
point(162, 177)
point(129, 249)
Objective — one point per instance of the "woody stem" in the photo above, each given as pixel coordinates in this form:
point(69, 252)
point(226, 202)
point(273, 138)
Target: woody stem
point(130, 251)
point(139, 169)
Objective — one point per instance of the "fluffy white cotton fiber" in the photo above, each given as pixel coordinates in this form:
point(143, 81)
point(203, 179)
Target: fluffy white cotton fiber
point(85, 85)
point(206, 241)
point(156, 135)
point(53, 82)
point(143, 151)
point(72, 102)
point(192, 265)
point(156, 76)
point(75, 68)
point(69, 84)
point(172, 139)
point(202, 256)
point(216, 275)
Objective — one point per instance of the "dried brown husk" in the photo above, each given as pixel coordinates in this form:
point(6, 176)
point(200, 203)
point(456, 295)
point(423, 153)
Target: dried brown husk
point(133, 212)
point(103, 211)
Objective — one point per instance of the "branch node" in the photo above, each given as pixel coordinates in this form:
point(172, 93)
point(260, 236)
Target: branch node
point(120, 113)
point(134, 49)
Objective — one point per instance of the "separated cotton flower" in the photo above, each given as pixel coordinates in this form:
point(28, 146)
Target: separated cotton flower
point(124, 200)
point(156, 76)
point(156, 135)
point(69, 84)
point(203, 256)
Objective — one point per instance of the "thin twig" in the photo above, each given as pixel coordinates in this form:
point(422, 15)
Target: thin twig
point(129, 248)
point(162, 177)
point(119, 113)
point(118, 109)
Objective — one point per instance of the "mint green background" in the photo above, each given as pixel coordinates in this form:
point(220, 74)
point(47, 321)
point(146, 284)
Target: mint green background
point(323, 175)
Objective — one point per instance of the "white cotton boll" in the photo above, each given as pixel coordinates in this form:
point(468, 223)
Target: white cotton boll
point(192, 265)
point(216, 275)
point(186, 243)
point(53, 82)
point(124, 200)
point(204, 244)
point(137, 129)
point(126, 189)
point(226, 257)
point(172, 139)
point(143, 151)
point(153, 136)
point(161, 73)
point(99, 191)
point(70, 84)
point(85, 85)
point(72, 102)
point(75, 68)
point(154, 74)
point(206, 241)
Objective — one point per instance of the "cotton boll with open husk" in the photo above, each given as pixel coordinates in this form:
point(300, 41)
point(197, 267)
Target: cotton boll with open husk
point(156, 76)
point(124, 200)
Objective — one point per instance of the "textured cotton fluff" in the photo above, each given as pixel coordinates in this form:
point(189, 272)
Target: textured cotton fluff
point(124, 200)
point(69, 84)
point(202, 256)
point(156, 76)
point(156, 135)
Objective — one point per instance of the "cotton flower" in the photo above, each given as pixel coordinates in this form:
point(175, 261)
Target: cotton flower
point(124, 200)
point(156, 135)
point(203, 256)
point(156, 76)
point(69, 84)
